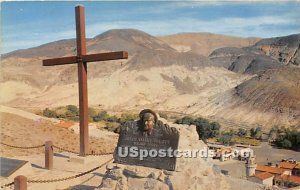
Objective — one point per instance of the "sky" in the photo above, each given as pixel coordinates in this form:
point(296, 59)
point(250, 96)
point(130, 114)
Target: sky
point(26, 24)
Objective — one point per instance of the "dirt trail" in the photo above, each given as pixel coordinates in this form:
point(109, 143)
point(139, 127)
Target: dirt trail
point(24, 114)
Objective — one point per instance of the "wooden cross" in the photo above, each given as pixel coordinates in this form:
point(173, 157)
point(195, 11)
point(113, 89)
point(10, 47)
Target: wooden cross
point(81, 59)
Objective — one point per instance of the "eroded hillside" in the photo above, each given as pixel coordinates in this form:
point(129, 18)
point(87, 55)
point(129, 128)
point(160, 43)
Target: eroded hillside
point(157, 76)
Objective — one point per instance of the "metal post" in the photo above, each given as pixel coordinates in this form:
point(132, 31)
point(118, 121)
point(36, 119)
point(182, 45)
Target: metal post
point(20, 183)
point(48, 155)
point(82, 80)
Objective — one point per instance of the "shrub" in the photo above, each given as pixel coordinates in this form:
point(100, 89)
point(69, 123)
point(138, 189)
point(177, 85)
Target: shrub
point(274, 132)
point(127, 117)
point(215, 129)
point(201, 121)
point(112, 118)
point(163, 115)
point(288, 138)
point(62, 115)
point(49, 113)
point(286, 143)
point(225, 139)
point(205, 129)
point(111, 126)
point(242, 132)
point(256, 132)
point(186, 120)
point(73, 109)
point(101, 116)
point(92, 112)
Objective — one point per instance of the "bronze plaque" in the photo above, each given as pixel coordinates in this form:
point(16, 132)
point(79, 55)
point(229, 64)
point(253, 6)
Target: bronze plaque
point(9, 166)
point(143, 147)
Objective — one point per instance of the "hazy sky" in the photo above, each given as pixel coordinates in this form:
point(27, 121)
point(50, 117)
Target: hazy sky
point(28, 24)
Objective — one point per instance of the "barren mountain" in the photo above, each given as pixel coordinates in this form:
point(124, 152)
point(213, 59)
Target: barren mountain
point(205, 43)
point(155, 76)
point(133, 41)
point(243, 61)
point(53, 49)
point(274, 91)
point(145, 51)
point(266, 54)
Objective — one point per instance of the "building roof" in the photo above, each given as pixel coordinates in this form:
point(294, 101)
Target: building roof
point(225, 150)
point(286, 165)
point(65, 124)
point(288, 178)
point(297, 166)
point(263, 175)
point(269, 169)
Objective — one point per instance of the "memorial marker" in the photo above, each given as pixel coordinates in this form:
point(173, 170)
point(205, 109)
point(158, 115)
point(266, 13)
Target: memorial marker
point(147, 135)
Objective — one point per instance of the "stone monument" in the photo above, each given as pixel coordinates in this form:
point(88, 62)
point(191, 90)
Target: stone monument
point(147, 142)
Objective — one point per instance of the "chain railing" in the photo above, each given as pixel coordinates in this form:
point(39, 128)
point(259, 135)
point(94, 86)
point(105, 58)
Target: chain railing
point(23, 147)
point(60, 179)
point(88, 154)
point(61, 149)
point(64, 149)
point(70, 177)
point(7, 185)
point(57, 147)
point(99, 154)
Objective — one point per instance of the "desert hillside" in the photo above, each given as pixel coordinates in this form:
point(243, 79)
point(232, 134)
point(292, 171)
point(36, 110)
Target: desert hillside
point(32, 130)
point(266, 54)
point(272, 88)
point(285, 49)
point(226, 86)
point(205, 43)
point(243, 60)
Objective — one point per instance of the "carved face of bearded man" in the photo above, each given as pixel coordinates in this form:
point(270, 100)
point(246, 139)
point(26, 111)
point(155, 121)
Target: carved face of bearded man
point(148, 121)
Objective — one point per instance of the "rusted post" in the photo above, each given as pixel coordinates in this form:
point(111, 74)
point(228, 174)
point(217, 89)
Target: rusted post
point(82, 81)
point(48, 155)
point(20, 183)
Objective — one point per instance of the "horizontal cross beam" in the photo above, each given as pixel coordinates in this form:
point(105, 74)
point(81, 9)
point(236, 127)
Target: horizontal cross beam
point(86, 58)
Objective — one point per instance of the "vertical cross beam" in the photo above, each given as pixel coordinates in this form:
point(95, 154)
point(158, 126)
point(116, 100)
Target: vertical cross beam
point(82, 80)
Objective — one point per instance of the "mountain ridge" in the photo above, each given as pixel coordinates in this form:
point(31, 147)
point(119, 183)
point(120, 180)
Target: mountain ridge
point(204, 43)
point(70, 43)
point(223, 85)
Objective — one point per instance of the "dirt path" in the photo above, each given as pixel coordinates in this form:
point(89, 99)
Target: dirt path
point(24, 114)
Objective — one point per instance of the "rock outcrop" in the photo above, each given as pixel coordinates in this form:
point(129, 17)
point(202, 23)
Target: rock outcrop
point(284, 49)
point(266, 54)
point(190, 173)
